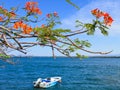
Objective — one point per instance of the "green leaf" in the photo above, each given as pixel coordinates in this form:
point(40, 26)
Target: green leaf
point(74, 5)
point(90, 28)
point(13, 8)
point(77, 41)
point(6, 22)
point(4, 56)
point(82, 43)
point(66, 52)
point(78, 23)
point(80, 56)
point(63, 45)
point(25, 18)
point(1, 11)
point(71, 49)
point(103, 26)
point(86, 43)
point(103, 31)
point(35, 16)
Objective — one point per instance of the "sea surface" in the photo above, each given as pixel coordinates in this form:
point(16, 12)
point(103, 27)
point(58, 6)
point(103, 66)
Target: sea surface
point(86, 74)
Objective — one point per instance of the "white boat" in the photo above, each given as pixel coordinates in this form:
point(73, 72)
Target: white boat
point(47, 82)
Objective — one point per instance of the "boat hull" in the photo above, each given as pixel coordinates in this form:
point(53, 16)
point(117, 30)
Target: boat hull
point(46, 83)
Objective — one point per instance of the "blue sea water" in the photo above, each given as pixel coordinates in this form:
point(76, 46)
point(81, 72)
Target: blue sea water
point(87, 74)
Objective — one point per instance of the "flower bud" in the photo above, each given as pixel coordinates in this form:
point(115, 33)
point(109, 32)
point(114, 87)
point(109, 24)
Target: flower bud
point(48, 15)
point(55, 14)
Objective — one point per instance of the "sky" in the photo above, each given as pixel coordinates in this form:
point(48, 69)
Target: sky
point(68, 16)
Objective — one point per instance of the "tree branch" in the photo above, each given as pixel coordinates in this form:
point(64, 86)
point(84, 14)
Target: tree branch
point(88, 50)
point(80, 32)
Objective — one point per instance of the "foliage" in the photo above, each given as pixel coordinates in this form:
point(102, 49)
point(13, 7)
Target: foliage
point(69, 1)
point(3, 56)
point(14, 27)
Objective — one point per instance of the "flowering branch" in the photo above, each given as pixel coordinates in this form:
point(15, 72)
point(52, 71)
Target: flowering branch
point(13, 28)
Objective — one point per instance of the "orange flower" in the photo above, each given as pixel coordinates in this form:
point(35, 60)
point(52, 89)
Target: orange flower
point(17, 25)
point(24, 26)
point(37, 10)
point(97, 13)
point(27, 29)
point(32, 7)
point(1, 18)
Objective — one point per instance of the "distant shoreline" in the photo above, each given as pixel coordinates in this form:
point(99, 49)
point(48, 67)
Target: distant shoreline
point(72, 56)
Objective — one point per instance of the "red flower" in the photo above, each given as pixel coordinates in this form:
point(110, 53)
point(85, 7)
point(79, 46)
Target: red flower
point(94, 11)
point(1, 18)
point(0, 7)
point(107, 18)
point(26, 29)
